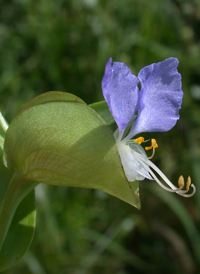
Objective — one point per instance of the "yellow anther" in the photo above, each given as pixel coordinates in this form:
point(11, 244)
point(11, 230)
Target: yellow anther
point(139, 140)
point(188, 183)
point(153, 145)
point(181, 182)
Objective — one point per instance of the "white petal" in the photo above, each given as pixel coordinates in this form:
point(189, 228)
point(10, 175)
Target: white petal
point(129, 153)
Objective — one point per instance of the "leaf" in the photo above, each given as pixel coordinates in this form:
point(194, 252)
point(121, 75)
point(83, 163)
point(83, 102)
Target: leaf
point(22, 227)
point(57, 139)
point(20, 234)
point(102, 109)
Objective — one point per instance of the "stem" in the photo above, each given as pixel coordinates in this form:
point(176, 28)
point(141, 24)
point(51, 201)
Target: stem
point(17, 189)
point(3, 123)
point(1, 142)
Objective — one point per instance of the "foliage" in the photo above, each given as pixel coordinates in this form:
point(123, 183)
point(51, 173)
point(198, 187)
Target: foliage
point(64, 45)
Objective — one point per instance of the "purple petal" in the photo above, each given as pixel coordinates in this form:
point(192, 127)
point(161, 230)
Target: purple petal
point(160, 97)
point(121, 92)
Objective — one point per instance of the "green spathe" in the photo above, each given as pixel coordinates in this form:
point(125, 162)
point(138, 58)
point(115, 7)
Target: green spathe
point(57, 139)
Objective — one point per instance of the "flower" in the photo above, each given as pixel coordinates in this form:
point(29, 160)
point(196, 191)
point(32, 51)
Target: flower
point(155, 107)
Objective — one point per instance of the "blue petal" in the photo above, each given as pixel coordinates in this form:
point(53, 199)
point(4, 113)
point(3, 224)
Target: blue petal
point(160, 97)
point(121, 92)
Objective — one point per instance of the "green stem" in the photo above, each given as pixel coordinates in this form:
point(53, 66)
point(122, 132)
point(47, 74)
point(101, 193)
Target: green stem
point(3, 123)
point(17, 189)
point(1, 142)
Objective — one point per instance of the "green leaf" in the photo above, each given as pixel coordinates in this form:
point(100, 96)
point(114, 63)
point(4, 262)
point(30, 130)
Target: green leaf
point(21, 231)
point(57, 139)
point(102, 109)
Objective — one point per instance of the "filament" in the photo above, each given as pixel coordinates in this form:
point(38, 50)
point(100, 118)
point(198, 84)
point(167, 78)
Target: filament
point(149, 166)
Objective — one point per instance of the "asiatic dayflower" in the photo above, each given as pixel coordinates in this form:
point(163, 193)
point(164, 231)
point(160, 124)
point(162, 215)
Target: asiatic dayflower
point(152, 108)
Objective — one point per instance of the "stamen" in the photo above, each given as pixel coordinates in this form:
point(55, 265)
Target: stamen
point(149, 166)
point(181, 182)
point(188, 183)
point(139, 140)
point(153, 145)
point(172, 189)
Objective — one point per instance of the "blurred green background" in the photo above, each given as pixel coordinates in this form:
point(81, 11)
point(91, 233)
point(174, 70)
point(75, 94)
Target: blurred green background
point(64, 45)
